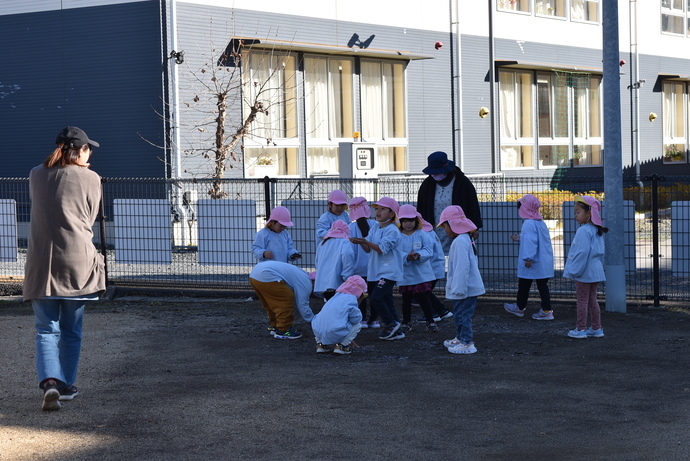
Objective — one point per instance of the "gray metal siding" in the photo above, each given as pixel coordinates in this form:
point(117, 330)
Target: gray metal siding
point(98, 68)
point(428, 81)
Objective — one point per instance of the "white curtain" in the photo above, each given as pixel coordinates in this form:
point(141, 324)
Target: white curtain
point(372, 101)
point(507, 104)
point(668, 111)
point(316, 87)
point(577, 10)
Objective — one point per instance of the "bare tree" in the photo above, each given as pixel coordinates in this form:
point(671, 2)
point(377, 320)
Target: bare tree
point(213, 128)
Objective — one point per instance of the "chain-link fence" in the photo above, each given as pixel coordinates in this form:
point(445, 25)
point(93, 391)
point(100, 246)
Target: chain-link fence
point(172, 234)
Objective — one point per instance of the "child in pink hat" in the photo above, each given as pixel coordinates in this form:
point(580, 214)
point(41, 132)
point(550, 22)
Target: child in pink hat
point(335, 259)
point(337, 206)
point(274, 242)
point(464, 282)
point(385, 265)
point(585, 265)
point(362, 223)
point(418, 275)
point(339, 321)
point(535, 260)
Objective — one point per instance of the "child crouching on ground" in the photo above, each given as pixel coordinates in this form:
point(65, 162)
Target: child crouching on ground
point(280, 287)
point(340, 318)
point(463, 283)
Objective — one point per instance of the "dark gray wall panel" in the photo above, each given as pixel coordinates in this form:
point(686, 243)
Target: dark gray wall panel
point(98, 68)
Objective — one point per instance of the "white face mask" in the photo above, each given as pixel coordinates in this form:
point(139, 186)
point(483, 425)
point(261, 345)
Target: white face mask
point(439, 177)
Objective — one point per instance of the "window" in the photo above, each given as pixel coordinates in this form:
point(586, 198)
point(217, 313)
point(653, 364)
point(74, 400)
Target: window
point(550, 8)
point(675, 122)
point(559, 113)
point(584, 10)
point(383, 112)
point(329, 113)
point(514, 5)
point(516, 123)
point(673, 16)
point(269, 78)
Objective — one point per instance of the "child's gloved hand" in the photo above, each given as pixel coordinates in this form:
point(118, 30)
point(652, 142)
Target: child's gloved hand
point(295, 256)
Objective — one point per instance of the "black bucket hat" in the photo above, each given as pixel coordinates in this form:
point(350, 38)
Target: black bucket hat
point(73, 136)
point(438, 163)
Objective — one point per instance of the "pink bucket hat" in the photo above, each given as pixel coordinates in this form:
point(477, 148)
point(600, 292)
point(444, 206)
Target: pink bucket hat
point(338, 197)
point(282, 215)
point(594, 205)
point(529, 207)
point(339, 229)
point(388, 202)
point(354, 285)
point(410, 212)
point(359, 208)
point(426, 225)
point(457, 220)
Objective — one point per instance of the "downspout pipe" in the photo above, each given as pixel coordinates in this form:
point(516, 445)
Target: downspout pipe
point(492, 88)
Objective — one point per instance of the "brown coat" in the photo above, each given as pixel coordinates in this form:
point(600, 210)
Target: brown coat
point(61, 259)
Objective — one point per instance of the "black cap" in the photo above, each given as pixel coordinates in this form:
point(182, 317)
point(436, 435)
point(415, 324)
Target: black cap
point(73, 136)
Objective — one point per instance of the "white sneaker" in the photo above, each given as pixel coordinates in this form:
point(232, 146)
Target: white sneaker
point(591, 333)
point(364, 324)
point(374, 324)
point(541, 315)
point(322, 348)
point(451, 342)
point(463, 349)
point(514, 309)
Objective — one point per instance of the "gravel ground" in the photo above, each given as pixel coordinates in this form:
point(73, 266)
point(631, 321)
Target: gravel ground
point(188, 379)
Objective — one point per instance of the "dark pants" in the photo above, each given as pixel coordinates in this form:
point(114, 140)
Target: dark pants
point(373, 315)
point(381, 298)
point(524, 285)
point(424, 300)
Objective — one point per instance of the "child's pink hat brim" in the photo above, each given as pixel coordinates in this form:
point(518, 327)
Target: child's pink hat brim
point(339, 229)
point(354, 285)
point(455, 216)
point(359, 208)
point(282, 215)
point(388, 202)
point(595, 208)
point(529, 207)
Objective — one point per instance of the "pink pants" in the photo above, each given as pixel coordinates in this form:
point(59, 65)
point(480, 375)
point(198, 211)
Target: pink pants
point(586, 294)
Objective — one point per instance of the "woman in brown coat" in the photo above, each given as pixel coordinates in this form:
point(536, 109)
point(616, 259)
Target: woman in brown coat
point(63, 268)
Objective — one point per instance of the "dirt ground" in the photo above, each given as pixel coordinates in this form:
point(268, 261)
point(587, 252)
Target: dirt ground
point(190, 379)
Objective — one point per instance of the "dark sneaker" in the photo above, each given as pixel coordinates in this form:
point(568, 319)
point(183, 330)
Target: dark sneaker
point(390, 331)
point(432, 327)
point(424, 320)
point(51, 396)
point(288, 334)
point(341, 349)
point(397, 335)
point(446, 315)
point(405, 327)
point(271, 330)
point(322, 348)
point(68, 393)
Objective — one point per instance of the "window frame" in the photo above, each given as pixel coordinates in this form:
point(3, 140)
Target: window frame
point(677, 140)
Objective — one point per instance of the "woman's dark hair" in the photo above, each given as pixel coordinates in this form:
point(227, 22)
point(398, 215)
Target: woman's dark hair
point(63, 156)
point(363, 225)
point(601, 230)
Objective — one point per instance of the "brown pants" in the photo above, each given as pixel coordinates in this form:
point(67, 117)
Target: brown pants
point(278, 300)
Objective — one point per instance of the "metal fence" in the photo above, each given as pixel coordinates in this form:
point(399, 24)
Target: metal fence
point(172, 234)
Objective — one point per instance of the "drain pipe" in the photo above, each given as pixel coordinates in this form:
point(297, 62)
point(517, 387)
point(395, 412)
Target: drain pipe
point(492, 89)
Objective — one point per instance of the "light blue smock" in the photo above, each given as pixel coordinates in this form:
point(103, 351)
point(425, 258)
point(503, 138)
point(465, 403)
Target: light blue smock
point(438, 260)
point(279, 243)
point(361, 256)
point(323, 225)
point(585, 262)
point(419, 270)
point(336, 319)
point(335, 262)
point(388, 264)
point(535, 246)
point(463, 279)
point(295, 278)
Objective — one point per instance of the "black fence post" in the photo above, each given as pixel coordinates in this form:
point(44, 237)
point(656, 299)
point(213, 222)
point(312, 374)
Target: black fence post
point(267, 195)
point(655, 235)
point(101, 217)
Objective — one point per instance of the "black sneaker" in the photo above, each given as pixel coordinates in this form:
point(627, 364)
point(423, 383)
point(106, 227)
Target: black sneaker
point(390, 331)
point(51, 396)
point(68, 393)
point(405, 327)
point(397, 335)
point(431, 327)
point(445, 315)
point(288, 334)
point(424, 320)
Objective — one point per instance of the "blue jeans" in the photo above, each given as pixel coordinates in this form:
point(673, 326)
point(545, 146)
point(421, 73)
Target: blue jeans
point(381, 298)
point(463, 310)
point(58, 339)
